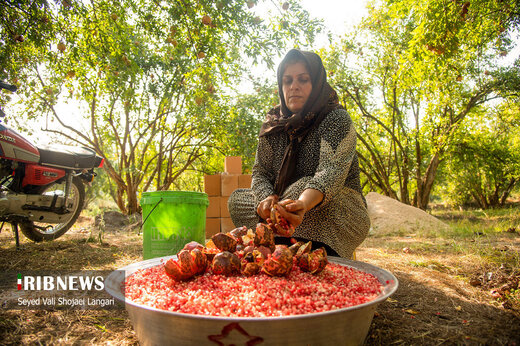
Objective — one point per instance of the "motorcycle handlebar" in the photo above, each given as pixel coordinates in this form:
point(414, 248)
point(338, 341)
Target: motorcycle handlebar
point(9, 87)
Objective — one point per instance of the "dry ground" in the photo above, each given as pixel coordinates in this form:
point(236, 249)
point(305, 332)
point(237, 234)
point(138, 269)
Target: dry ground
point(437, 301)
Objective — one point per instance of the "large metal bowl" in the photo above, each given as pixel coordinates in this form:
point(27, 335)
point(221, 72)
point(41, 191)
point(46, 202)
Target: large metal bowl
point(347, 326)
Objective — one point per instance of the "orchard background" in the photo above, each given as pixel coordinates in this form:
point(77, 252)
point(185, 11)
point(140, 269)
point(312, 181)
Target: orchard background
point(156, 88)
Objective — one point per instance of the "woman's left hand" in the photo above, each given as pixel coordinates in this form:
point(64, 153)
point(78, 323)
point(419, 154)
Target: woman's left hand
point(293, 212)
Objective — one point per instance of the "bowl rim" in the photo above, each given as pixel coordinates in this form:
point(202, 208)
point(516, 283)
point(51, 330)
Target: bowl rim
point(387, 279)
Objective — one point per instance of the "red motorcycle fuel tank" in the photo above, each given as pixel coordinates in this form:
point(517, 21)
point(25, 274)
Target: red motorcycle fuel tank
point(15, 147)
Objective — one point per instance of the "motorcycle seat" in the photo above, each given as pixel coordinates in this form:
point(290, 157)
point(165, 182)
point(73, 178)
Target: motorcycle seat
point(63, 156)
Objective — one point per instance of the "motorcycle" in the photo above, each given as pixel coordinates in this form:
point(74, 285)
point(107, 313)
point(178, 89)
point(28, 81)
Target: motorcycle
point(42, 188)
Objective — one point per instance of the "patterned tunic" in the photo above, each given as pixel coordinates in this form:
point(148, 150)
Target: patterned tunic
point(327, 161)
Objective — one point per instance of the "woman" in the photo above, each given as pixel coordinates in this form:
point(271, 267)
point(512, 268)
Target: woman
point(307, 153)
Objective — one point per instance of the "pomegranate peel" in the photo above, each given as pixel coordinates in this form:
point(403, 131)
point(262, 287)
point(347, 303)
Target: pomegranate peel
point(280, 262)
point(188, 264)
point(225, 263)
point(225, 242)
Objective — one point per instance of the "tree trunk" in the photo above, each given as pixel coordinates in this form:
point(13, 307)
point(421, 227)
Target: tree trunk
point(418, 160)
point(121, 199)
point(426, 183)
point(479, 200)
point(494, 199)
point(405, 197)
point(133, 205)
point(480, 196)
point(507, 191)
point(485, 203)
point(383, 180)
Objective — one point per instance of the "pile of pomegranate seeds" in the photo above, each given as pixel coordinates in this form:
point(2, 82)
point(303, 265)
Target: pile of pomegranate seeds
point(255, 296)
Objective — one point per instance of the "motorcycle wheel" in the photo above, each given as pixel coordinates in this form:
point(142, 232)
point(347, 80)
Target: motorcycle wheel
point(37, 231)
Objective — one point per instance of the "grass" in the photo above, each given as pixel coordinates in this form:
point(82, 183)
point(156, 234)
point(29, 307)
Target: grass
point(490, 220)
point(454, 274)
point(431, 264)
point(490, 239)
point(482, 232)
point(476, 243)
point(489, 234)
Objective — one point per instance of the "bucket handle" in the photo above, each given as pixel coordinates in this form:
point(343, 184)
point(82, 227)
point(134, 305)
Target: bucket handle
point(150, 213)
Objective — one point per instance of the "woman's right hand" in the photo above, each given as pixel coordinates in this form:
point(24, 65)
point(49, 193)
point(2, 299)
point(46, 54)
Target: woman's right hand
point(264, 207)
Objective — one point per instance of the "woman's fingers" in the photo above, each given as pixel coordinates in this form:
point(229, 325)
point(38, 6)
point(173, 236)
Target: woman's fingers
point(295, 206)
point(264, 207)
point(294, 218)
point(292, 211)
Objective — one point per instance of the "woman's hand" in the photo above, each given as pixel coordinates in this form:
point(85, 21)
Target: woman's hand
point(294, 212)
point(264, 207)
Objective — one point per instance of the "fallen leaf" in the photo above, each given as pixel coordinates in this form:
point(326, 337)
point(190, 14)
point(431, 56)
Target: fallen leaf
point(411, 312)
point(439, 315)
point(475, 282)
point(495, 294)
point(458, 308)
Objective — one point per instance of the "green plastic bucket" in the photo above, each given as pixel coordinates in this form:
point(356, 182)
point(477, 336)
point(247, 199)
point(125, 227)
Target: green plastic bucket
point(171, 219)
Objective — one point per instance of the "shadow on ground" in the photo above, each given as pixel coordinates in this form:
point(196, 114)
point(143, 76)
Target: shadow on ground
point(432, 305)
point(421, 314)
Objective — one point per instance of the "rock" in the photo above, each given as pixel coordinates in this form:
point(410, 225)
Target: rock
point(117, 221)
point(389, 216)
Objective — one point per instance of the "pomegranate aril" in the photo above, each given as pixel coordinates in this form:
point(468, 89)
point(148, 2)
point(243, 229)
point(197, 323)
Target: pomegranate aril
point(260, 295)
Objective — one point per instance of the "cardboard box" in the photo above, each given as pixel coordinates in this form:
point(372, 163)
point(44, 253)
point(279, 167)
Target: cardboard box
point(224, 212)
point(244, 181)
point(233, 165)
point(212, 185)
point(212, 226)
point(213, 209)
point(229, 184)
point(226, 224)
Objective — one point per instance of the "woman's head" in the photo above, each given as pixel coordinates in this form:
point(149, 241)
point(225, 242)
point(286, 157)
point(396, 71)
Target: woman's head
point(302, 83)
point(305, 96)
point(296, 85)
